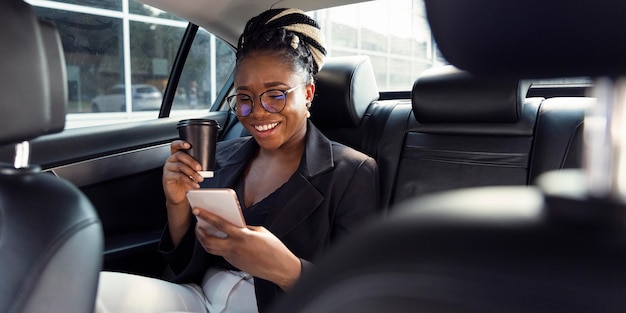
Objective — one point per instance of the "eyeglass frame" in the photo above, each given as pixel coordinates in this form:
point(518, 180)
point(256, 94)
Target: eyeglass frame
point(285, 92)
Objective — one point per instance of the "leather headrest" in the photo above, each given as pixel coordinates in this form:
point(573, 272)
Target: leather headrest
point(531, 38)
point(26, 83)
point(57, 74)
point(448, 95)
point(345, 87)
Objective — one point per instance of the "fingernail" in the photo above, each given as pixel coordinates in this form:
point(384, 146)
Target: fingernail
point(195, 211)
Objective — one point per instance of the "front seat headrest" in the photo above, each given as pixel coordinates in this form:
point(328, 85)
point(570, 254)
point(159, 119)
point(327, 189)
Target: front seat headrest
point(30, 77)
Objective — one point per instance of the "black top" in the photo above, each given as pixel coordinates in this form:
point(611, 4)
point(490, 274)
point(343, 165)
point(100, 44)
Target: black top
point(254, 215)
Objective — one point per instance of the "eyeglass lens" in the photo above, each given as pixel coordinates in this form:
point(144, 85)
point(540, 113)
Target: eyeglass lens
point(272, 101)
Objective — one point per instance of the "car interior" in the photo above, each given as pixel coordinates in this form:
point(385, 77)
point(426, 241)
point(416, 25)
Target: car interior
point(497, 194)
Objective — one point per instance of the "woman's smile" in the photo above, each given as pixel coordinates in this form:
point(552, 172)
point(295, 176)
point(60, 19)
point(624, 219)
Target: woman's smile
point(265, 127)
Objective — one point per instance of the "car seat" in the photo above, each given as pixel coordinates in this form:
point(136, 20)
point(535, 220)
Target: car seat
point(51, 239)
point(556, 247)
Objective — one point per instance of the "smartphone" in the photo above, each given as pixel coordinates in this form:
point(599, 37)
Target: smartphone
point(219, 201)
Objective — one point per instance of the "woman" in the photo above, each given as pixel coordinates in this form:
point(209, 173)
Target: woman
point(300, 191)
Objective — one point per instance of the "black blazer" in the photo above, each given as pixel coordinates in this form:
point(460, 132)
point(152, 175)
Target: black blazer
point(333, 191)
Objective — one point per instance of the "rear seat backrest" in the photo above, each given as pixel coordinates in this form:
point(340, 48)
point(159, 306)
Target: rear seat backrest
point(467, 131)
point(558, 135)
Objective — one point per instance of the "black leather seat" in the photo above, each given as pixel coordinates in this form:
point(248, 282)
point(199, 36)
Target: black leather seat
point(469, 131)
point(51, 239)
point(558, 140)
point(345, 90)
point(466, 131)
point(555, 247)
point(488, 249)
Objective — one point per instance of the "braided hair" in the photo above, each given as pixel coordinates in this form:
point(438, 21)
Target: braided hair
point(289, 33)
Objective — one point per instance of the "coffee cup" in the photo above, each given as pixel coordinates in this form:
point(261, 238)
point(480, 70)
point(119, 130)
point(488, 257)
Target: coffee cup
point(201, 134)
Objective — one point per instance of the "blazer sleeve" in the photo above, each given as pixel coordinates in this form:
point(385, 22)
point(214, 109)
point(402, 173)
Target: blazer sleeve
point(179, 257)
point(359, 202)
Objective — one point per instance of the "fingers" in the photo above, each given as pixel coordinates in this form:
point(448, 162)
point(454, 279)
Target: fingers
point(216, 221)
point(178, 154)
point(216, 237)
point(180, 173)
point(178, 145)
point(180, 166)
point(211, 244)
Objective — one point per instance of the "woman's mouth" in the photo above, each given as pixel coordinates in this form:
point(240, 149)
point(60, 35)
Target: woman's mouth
point(265, 127)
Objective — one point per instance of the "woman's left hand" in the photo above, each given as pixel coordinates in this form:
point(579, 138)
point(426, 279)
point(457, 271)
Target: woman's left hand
point(254, 250)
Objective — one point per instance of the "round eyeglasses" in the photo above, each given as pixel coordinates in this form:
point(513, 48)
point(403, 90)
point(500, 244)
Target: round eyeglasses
point(273, 101)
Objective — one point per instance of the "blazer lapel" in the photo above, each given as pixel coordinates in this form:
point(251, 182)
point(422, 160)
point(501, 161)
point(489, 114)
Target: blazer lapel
point(301, 197)
point(298, 202)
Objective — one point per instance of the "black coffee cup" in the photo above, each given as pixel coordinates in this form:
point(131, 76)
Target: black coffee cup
point(201, 134)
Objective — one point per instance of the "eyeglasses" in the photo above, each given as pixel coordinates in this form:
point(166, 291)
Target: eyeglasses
point(273, 101)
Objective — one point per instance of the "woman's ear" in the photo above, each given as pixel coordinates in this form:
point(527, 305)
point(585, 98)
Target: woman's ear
point(310, 92)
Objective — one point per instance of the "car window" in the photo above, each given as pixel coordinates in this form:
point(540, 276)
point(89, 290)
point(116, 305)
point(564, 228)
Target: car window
point(208, 66)
point(393, 33)
point(118, 56)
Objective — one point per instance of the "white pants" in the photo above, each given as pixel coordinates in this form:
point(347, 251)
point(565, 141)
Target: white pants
point(222, 291)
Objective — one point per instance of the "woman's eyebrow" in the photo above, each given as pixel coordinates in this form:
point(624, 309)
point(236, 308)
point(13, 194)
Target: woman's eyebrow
point(275, 84)
point(266, 85)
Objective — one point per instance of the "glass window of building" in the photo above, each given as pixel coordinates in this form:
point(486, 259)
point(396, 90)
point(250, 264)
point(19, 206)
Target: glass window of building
point(394, 34)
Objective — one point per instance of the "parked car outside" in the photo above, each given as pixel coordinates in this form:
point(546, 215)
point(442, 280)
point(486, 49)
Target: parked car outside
point(145, 97)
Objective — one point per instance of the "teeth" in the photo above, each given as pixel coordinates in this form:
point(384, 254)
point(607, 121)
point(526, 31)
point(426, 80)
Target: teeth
point(265, 127)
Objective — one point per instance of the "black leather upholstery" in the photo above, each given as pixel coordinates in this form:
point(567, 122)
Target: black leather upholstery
point(31, 117)
point(344, 104)
point(51, 239)
point(448, 95)
point(532, 38)
point(550, 248)
point(558, 142)
point(471, 132)
point(490, 249)
point(55, 59)
point(346, 86)
point(51, 244)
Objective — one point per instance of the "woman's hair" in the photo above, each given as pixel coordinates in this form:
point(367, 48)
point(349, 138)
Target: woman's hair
point(289, 33)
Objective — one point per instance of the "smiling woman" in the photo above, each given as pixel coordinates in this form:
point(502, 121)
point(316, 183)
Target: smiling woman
point(300, 193)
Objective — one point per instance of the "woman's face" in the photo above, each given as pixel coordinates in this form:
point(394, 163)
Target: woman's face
point(260, 72)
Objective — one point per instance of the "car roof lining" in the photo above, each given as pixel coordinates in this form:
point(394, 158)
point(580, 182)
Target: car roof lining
point(226, 18)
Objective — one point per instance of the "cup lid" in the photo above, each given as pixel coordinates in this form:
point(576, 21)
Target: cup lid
point(197, 121)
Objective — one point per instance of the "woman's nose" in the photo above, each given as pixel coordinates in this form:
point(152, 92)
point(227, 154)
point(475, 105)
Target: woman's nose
point(258, 109)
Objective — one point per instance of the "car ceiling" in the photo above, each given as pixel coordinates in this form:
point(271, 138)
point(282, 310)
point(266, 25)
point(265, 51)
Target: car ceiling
point(227, 18)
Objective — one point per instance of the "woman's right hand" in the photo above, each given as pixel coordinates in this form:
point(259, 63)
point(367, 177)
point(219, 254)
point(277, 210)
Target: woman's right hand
point(180, 174)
